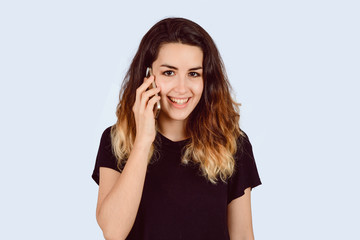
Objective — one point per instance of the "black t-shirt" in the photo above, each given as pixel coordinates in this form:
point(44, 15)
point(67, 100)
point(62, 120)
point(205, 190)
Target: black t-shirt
point(177, 202)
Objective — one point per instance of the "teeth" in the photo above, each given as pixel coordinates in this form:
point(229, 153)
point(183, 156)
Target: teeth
point(180, 101)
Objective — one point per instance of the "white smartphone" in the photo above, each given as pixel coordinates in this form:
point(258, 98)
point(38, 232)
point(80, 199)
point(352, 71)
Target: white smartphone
point(157, 106)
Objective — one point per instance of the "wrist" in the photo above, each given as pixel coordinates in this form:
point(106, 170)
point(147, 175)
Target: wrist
point(142, 144)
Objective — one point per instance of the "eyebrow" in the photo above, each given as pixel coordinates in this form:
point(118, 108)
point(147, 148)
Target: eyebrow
point(172, 67)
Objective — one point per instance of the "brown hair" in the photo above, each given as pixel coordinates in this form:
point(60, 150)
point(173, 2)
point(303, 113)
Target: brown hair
point(213, 126)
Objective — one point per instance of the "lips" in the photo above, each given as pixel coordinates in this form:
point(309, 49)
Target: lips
point(179, 100)
point(180, 105)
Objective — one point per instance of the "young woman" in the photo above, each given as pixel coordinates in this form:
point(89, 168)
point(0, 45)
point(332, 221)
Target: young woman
point(188, 173)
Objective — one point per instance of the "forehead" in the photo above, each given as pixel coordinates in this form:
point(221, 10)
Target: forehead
point(178, 54)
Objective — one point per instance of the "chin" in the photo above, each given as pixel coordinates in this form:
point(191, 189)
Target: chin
point(176, 117)
point(179, 118)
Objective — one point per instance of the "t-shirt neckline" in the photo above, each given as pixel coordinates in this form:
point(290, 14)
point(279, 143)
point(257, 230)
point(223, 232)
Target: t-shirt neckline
point(175, 145)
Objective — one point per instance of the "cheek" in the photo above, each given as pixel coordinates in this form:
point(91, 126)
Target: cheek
point(164, 84)
point(164, 88)
point(198, 88)
point(160, 84)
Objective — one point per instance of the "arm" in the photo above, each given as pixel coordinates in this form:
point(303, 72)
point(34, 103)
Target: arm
point(120, 194)
point(239, 218)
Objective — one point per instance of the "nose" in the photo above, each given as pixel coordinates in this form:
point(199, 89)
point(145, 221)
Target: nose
point(181, 85)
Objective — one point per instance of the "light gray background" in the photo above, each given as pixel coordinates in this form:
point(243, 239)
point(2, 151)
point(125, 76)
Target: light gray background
point(294, 66)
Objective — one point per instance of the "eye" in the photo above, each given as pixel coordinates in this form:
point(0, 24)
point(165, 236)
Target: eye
point(168, 73)
point(194, 74)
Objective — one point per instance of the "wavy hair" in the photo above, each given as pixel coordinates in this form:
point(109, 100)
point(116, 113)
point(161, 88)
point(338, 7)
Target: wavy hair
point(213, 126)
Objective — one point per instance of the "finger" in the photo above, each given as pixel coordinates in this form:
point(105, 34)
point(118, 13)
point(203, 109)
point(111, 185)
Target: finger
point(145, 85)
point(145, 97)
point(151, 103)
point(151, 76)
point(151, 92)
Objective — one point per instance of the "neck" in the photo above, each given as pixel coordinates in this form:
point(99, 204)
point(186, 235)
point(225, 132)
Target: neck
point(172, 129)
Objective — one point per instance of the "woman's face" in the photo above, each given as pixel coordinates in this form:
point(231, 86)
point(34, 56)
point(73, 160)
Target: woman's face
point(178, 73)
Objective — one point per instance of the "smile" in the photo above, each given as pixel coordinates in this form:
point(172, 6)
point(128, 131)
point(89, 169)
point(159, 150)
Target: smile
point(179, 100)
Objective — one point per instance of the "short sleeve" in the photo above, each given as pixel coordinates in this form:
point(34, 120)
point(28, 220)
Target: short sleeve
point(105, 156)
point(246, 173)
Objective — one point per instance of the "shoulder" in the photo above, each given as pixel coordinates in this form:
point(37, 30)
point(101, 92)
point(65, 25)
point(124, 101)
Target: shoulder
point(243, 144)
point(106, 133)
point(244, 158)
point(245, 171)
point(105, 156)
point(106, 138)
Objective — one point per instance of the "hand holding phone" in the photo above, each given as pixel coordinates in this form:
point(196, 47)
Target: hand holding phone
point(157, 106)
point(143, 109)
